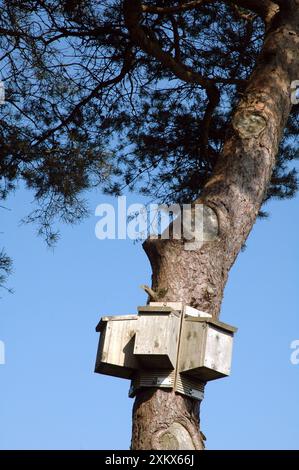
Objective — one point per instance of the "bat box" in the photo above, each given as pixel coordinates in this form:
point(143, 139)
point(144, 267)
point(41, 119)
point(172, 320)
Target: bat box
point(157, 337)
point(116, 345)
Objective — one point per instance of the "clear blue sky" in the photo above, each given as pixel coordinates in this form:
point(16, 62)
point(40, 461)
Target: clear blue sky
point(49, 396)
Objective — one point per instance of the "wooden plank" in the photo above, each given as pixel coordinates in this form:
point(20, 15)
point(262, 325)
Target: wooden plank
point(116, 345)
point(193, 312)
point(218, 352)
point(215, 322)
point(161, 378)
point(152, 309)
point(157, 340)
point(174, 305)
point(205, 350)
point(190, 386)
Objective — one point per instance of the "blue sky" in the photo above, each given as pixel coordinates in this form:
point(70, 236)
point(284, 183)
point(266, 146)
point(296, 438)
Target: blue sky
point(49, 396)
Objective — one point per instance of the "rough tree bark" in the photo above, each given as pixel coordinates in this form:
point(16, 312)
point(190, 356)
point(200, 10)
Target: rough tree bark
point(165, 420)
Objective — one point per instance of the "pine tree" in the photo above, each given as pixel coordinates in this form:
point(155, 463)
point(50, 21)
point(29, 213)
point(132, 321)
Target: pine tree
point(182, 101)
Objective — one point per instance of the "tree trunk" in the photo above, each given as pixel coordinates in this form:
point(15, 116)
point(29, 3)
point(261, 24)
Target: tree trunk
point(235, 192)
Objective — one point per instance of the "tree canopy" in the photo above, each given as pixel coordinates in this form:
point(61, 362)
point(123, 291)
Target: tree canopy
point(125, 95)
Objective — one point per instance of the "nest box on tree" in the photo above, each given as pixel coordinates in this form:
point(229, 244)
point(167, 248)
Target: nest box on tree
point(166, 345)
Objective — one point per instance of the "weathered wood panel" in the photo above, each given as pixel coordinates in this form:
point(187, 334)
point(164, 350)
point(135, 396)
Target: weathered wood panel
point(157, 339)
point(116, 345)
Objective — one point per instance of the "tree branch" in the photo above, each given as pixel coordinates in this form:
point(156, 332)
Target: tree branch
point(266, 9)
point(176, 38)
point(132, 16)
point(127, 64)
point(65, 33)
